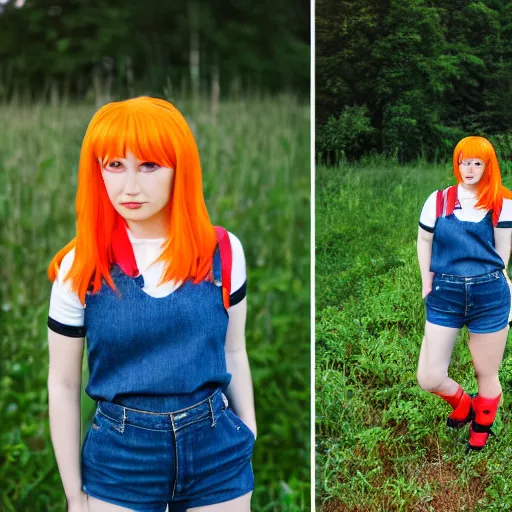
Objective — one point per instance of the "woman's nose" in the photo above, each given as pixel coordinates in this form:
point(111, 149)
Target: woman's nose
point(131, 184)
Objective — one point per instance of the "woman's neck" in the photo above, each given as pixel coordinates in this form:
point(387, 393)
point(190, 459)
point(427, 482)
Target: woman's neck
point(152, 228)
point(145, 234)
point(472, 189)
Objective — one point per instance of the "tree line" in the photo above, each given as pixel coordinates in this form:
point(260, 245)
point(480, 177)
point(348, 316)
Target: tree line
point(409, 78)
point(79, 47)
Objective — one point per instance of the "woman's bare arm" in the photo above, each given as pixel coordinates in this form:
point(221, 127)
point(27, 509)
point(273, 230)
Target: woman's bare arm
point(502, 240)
point(64, 385)
point(424, 248)
point(240, 390)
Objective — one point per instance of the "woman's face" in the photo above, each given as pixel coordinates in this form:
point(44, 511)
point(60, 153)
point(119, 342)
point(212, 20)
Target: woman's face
point(471, 170)
point(140, 192)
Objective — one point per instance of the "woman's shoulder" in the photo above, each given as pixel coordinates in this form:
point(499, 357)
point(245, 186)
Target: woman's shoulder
point(65, 265)
point(505, 220)
point(236, 245)
point(430, 202)
point(238, 268)
point(66, 312)
point(428, 213)
point(237, 253)
point(507, 203)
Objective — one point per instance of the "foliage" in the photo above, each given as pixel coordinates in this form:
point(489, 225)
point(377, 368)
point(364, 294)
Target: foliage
point(503, 145)
point(350, 134)
point(429, 72)
point(255, 156)
point(381, 440)
point(77, 48)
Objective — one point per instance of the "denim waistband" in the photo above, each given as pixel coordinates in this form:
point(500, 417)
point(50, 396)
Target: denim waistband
point(484, 278)
point(209, 407)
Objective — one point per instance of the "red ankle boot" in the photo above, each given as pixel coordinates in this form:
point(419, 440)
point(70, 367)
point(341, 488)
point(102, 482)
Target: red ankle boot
point(462, 411)
point(480, 428)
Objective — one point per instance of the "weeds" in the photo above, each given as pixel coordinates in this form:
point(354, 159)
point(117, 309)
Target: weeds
point(382, 444)
point(255, 159)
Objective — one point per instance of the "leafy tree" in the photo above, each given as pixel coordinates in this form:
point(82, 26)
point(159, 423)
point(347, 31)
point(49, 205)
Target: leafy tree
point(429, 72)
point(79, 45)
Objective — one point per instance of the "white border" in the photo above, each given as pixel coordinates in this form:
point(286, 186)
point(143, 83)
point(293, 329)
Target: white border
point(312, 253)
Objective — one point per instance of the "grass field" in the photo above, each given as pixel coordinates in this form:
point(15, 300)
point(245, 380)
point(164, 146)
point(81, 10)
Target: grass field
point(382, 444)
point(255, 158)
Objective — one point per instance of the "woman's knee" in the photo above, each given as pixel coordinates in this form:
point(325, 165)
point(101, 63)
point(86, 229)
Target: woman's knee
point(430, 379)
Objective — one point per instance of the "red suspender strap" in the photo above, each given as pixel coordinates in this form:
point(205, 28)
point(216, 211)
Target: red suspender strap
point(451, 200)
point(439, 204)
point(122, 249)
point(226, 262)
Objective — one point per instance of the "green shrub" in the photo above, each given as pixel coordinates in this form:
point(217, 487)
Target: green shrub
point(347, 136)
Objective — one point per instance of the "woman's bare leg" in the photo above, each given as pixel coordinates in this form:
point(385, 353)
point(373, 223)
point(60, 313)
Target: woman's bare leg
point(240, 504)
point(96, 505)
point(435, 355)
point(487, 354)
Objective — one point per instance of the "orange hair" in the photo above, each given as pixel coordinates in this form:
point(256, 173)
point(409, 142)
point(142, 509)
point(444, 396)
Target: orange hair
point(490, 191)
point(153, 130)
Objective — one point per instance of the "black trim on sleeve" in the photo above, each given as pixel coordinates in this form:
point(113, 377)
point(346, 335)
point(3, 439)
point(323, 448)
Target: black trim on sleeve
point(426, 228)
point(239, 295)
point(505, 224)
point(72, 331)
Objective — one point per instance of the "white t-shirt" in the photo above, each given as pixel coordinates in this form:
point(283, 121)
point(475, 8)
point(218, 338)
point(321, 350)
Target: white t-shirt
point(467, 211)
point(66, 308)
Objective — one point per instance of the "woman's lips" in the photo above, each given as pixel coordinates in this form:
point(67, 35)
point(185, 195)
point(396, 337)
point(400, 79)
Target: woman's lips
point(132, 205)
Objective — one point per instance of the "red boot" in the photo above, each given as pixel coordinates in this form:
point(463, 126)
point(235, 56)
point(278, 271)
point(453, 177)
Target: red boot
point(462, 411)
point(480, 428)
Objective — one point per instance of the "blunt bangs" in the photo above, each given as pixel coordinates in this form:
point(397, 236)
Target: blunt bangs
point(135, 125)
point(474, 147)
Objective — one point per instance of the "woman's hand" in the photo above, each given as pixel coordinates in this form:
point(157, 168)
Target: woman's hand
point(252, 428)
point(78, 504)
point(426, 284)
point(425, 290)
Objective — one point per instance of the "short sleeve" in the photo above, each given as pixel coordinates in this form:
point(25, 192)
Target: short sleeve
point(505, 220)
point(428, 213)
point(66, 313)
point(238, 271)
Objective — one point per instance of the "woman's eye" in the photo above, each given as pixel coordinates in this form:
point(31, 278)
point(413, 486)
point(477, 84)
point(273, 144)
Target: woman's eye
point(149, 166)
point(114, 165)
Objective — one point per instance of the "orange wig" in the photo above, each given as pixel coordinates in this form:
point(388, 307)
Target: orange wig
point(490, 191)
point(153, 130)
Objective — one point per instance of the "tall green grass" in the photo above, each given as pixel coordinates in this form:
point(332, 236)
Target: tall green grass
point(255, 158)
point(382, 444)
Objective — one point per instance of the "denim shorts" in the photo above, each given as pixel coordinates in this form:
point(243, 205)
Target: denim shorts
point(482, 302)
point(145, 461)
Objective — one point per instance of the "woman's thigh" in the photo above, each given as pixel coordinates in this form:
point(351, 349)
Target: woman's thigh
point(437, 346)
point(487, 351)
point(240, 504)
point(96, 505)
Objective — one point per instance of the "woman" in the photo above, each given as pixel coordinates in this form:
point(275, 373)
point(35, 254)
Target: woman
point(464, 241)
point(160, 294)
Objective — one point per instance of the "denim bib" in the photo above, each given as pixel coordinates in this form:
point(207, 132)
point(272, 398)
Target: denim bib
point(462, 248)
point(156, 354)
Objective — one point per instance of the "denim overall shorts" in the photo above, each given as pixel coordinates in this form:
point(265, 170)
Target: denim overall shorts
point(469, 286)
point(163, 433)
point(145, 461)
